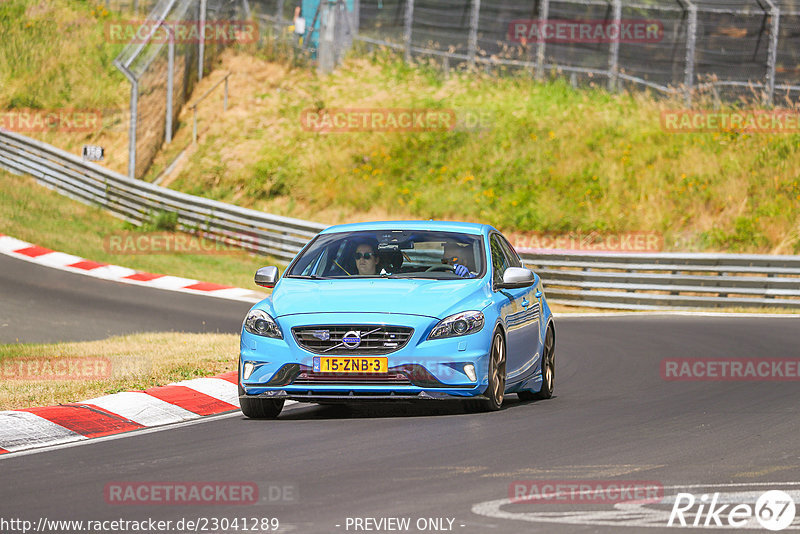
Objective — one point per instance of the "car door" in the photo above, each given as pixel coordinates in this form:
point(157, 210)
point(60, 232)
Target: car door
point(512, 306)
point(530, 332)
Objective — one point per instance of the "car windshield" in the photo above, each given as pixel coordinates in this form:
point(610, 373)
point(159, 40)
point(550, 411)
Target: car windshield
point(391, 253)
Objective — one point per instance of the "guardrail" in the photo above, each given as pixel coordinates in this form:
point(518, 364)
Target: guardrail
point(601, 280)
point(648, 281)
point(138, 202)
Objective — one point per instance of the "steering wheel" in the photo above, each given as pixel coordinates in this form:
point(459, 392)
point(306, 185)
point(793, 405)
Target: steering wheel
point(441, 268)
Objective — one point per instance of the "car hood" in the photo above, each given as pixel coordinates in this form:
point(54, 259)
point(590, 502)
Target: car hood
point(430, 298)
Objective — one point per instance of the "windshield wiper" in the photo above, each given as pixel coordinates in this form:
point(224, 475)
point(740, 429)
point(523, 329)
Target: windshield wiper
point(307, 276)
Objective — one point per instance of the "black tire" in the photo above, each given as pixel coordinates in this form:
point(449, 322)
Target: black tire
point(548, 370)
point(495, 392)
point(257, 408)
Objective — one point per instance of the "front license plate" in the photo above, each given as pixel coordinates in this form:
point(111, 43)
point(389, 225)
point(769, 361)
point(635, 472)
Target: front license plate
point(348, 364)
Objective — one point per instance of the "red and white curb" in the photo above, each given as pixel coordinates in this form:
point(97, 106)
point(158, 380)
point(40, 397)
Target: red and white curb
point(66, 262)
point(118, 413)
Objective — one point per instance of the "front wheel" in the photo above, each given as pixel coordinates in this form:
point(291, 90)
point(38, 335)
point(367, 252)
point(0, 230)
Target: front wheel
point(257, 408)
point(497, 375)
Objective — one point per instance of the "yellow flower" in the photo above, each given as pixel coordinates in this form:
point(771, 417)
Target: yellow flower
point(552, 134)
point(514, 202)
point(534, 136)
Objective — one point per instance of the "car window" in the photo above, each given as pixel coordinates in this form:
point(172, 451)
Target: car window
point(511, 254)
point(396, 253)
point(499, 259)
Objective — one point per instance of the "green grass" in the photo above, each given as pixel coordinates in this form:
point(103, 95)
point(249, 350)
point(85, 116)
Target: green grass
point(38, 215)
point(55, 54)
point(550, 158)
point(120, 363)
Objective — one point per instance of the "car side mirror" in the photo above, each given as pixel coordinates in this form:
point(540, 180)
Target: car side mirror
point(266, 276)
point(516, 277)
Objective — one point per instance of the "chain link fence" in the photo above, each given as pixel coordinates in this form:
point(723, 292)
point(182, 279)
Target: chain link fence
point(724, 48)
point(165, 58)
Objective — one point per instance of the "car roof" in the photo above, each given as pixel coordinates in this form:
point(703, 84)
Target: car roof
point(439, 226)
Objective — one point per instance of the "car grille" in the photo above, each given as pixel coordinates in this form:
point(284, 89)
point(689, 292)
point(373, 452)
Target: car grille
point(311, 379)
point(375, 339)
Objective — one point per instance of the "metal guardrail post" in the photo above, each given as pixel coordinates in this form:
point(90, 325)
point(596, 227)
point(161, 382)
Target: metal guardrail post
point(202, 45)
point(772, 56)
point(472, 40)
point(613, 58)
point(544, 8)
point(691, 40)
point(409, 19)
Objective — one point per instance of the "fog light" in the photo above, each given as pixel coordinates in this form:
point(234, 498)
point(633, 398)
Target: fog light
point(248, 370)
point(469, 370)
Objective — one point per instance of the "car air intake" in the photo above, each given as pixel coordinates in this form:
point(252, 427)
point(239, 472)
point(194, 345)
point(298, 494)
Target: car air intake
point(352, 339)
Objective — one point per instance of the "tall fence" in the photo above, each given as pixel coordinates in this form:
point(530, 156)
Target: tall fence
point(720, 49)
point(163, 71)
point(628, 281)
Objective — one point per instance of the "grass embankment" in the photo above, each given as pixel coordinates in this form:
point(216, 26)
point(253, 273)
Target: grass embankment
point(38, 215)
point(550, 158)
point(72, 372)
point(55, 57)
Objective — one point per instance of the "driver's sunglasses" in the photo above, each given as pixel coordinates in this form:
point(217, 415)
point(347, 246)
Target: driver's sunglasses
point(366, 255)
point(454, 259)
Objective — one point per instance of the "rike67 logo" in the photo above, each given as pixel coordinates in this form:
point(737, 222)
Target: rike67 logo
point(774, 510)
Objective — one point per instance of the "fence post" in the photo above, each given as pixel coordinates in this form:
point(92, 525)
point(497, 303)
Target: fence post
point(170, 82)
point(772, 56)
point(278, 19)
point(691, 40)
point(202, 45)
point(472, 40)
point(544, 8)
point(409, 19)
point(613, 59)
point(132, 131)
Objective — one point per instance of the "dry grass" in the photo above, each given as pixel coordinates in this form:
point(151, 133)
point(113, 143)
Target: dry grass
point(132, 362)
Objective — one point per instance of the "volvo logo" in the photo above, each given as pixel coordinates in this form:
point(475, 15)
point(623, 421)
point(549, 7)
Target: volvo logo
point(352, 339)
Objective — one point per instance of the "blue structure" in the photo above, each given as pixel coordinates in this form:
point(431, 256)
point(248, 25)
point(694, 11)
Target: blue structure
point(312, 12)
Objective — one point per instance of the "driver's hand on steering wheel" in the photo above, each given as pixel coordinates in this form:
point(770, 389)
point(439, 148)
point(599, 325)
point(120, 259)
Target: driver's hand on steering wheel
point(461, 270)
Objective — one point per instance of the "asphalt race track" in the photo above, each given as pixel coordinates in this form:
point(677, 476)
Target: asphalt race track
point(42, 305)
point(613, 417)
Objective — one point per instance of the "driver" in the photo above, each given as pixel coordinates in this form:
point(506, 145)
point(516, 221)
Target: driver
point(457, 256)
point(366, 257)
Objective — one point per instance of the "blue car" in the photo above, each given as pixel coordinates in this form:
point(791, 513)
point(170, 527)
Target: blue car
point(398, 311)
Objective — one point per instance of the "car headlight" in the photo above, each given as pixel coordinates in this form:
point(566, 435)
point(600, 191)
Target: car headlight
point(261, 324)
point(459, 324)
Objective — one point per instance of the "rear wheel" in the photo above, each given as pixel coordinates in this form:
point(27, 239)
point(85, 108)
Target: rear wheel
point(548, 370)
point(258, 408)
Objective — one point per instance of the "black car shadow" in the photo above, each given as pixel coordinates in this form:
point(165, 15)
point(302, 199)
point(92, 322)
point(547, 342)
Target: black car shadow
point(378, 410)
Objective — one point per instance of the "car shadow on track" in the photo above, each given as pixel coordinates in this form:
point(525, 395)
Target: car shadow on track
point(376, 410)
